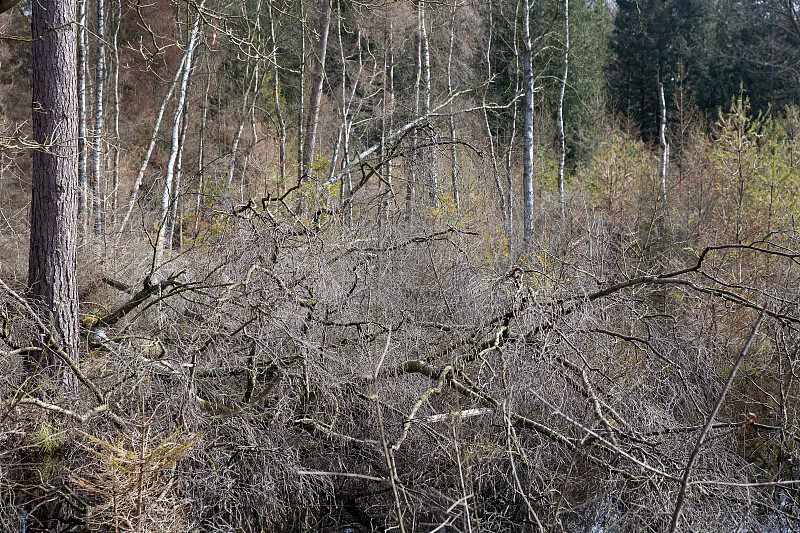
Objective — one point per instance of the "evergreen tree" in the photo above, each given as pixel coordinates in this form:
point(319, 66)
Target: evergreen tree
point(657, 40)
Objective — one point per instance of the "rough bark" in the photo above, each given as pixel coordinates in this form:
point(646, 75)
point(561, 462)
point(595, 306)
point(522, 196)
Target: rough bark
point(54, 201)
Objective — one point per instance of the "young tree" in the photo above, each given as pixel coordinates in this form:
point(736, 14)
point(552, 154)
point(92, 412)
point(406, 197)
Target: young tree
point(54, 196)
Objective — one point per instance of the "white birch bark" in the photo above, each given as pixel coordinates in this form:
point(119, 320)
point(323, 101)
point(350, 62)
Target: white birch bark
point(167, 195)
point(97, 137)
point(527, 172)
point(664, 147)
point(489, 134)
point(561, 135)
point(433, 180)
point(151, 145)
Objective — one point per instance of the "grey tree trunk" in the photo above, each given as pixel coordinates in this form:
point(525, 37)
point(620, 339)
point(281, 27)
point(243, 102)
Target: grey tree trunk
point(527, 172)
point(489, 135)
point(562, 138)
point(433, 180)
point(54, 199)
point(97, 136)
point(278, 111)
point(315, 97)
point(452, 121)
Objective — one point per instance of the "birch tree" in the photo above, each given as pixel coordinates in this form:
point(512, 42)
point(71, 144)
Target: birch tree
point(97, 135)
point(527, 172)
point(167, 196)
point(315, 96)
point(562, 156)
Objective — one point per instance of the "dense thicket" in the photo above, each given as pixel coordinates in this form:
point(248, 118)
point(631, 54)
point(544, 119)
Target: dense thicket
point(361, 340)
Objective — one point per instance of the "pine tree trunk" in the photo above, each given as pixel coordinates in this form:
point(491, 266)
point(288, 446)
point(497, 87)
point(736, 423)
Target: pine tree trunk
point(54, 205)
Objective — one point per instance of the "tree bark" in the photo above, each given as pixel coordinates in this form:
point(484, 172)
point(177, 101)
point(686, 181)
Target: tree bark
point(83, 190)
point(315, 97)
point(561, 136)
point(278, 111)
point(97, 136)
point(433, 180)
point(527, 172)
point(54, 199)
point(452, 119)
point(664, 147)
point(167, 196)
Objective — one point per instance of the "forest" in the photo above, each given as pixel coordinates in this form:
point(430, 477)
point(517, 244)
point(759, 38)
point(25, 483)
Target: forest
point(430, 266)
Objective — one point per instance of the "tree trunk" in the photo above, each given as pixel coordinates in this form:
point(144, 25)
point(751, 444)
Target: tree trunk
point(54, 201)
point(452, 119)
point(83, 181)
point(278, 112)
point(167, 196)
point(489, 134)
point(433, 180)
point(302, 97)
point(562, 138)
point(664, 148)
point(315, 97)
point(97, 137)
point(527, 172)
point(115, 48)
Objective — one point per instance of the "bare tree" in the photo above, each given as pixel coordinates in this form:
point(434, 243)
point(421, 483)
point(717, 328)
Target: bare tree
point(168, 196)
point(318, 77)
